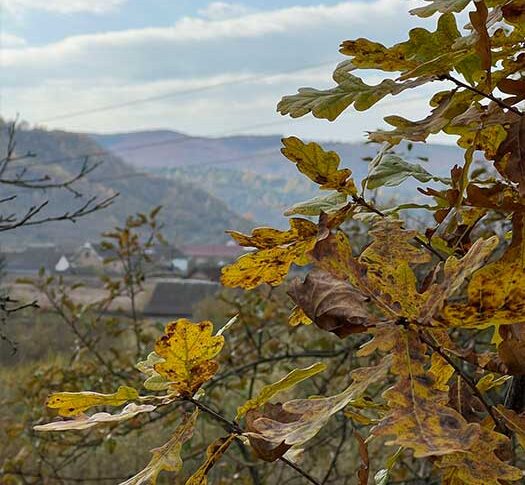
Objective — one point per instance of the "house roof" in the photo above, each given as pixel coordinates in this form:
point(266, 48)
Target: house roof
point(212, 251)
point(32, 259)
point(177, 297)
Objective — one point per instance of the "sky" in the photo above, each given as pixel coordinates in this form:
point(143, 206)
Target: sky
point(204, 68)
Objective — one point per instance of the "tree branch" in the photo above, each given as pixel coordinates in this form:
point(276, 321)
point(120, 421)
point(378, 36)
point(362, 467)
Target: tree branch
point(498, 101)
point(234, 428)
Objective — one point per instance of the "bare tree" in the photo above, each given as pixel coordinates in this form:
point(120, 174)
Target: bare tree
point(16, 174)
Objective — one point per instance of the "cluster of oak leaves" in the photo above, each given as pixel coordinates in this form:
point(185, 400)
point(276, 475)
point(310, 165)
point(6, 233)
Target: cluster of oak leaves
point(399, 289)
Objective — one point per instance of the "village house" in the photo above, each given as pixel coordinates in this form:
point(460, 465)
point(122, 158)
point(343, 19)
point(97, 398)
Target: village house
point(174, 298)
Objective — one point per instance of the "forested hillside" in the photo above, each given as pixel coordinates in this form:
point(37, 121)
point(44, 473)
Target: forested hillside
point(250, 171)
point(193, 215)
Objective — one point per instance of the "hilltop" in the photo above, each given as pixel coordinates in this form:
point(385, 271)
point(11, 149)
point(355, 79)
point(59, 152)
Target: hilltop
point(250, 174)
point(191, 214)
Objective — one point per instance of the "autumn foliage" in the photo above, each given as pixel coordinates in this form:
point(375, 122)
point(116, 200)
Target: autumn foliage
point(444, 307)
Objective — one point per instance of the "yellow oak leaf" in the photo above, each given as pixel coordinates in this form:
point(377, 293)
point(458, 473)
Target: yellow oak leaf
point(188, 349)
point(277, 251)
point(74, 403)
point(298, 317)
point(496, 292)
point(387, 261)
point(479, 465)
point(318, 165)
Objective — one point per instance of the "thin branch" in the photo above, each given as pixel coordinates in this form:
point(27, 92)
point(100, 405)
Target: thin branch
point(498, 101)
point(322, 354)
point(337, 453)
point(8, 224)
point(234, 428)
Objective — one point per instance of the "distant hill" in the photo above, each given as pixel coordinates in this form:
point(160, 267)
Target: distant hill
point(190, 213)
point(250, 174)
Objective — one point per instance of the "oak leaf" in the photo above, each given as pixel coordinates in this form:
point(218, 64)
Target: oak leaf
point(388, 270)
point(318, 165)
point(510, 157)
point(214, 453)
point(188, 350)
point(75, 403)
point(443, 6)
point(496, 294)
point(421, 48)
point(154, 381)
point(333, 305)
point(264, 449)
point(514, 421)
point(350, 91)
point(419, 417)
point(312, 414)
point(276, 252)
point(167, 457)
point(480, 464)
point(85, 422)
point(270, 390)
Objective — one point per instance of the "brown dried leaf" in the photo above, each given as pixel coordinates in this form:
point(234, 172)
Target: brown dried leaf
point(312, 414)
point(510, 157)
point(332, 304)
point(264, 449)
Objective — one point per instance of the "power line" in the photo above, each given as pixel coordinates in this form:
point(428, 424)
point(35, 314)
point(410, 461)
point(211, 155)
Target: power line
point(186, 139)
point(132, 102)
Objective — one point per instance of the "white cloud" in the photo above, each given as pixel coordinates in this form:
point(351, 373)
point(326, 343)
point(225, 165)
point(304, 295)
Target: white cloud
point(10, 40)
point(86, 71)
point(63, 6)
point(223, 10)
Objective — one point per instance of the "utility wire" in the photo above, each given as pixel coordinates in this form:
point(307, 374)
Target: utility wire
point(186, 139)
point(133, 102)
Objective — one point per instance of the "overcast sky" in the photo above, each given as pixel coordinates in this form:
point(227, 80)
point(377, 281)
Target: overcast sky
point(61, 57)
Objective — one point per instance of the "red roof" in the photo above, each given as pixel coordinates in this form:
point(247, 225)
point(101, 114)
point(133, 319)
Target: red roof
point(212, 251)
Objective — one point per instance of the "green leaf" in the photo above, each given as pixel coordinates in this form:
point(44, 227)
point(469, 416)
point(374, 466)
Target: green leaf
point(392, 170)
point(154, 382)
point(443, 6)
point(350, 90)
point(322, 203)
point(288, 381)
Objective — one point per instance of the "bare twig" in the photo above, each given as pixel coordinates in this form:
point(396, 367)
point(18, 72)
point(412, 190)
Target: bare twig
point(490, 96)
